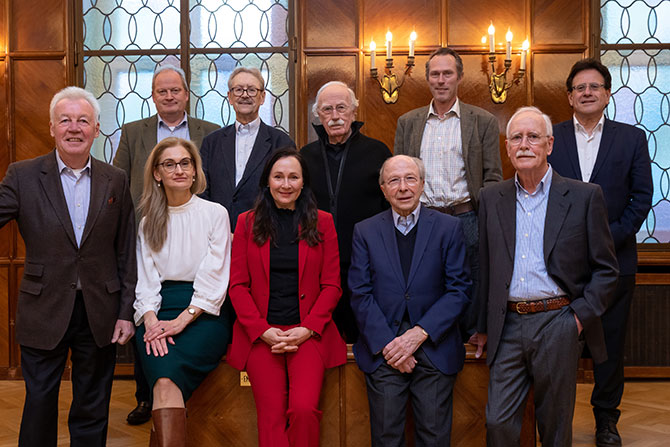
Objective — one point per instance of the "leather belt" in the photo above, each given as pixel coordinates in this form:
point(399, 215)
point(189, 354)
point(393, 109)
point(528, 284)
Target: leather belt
point(531, 307)
point(454, 210)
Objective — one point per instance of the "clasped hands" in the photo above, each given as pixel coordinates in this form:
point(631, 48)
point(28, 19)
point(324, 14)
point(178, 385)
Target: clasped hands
point(399, 353)
point(281, 342)
point(159, 332)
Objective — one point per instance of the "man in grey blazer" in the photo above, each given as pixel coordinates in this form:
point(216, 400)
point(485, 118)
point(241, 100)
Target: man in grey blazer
point(548, 268)
point(76, 218)
point(459, 144)
point(169, 92)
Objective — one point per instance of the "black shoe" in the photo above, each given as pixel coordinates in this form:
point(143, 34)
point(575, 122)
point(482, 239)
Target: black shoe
point(607, 435)
point(140, 414)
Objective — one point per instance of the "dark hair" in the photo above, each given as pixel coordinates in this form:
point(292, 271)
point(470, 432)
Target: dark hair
point(445, 51)
point(306, 213)
point(589, 64)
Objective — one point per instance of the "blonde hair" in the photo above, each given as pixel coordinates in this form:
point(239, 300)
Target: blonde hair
point(153, 204)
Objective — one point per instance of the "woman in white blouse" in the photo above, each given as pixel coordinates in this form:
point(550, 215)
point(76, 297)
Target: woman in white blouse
point(183, 260)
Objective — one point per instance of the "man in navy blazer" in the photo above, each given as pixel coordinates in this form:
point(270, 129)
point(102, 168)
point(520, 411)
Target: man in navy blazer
point(233, 157)
point(614, 155)
point(409, 283)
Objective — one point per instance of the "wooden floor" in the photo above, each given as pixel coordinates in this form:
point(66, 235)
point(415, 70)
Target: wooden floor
point(645, 421)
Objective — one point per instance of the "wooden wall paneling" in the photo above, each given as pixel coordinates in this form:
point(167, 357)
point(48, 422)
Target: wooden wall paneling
point(320, 69)
point(46, 16)
point(558, 22)
point(469, 21)
point(401, 17)
point(5, 342)
point(330, 24)
point(549, 92)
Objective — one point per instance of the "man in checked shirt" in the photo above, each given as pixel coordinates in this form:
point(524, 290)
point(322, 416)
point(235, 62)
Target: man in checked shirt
point(459, 145)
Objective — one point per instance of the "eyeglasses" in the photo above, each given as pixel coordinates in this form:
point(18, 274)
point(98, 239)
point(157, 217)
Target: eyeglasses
point(251, 91)
point(173, 91)
point(170, 165)
point(581, 88)
point(328, 110)
point(532, 139)
point(395, 182)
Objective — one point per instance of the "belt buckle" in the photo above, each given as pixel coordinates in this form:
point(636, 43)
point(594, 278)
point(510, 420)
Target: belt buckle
point(517, 307)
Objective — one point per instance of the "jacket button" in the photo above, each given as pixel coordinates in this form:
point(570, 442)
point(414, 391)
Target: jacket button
point(73, 285)
point(407, 296)
point(302, 297)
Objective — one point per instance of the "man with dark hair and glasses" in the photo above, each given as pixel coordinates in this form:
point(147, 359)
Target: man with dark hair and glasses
point(614, 155)
point(233, 157)
point(169, 92)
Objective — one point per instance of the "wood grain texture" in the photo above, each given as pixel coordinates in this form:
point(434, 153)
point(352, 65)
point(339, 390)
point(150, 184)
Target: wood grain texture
point(559, 21)
point(48, 18)
point(330, 24)
point(400, 17)
point(469, 21)
point(5, 342)
point(549, 91)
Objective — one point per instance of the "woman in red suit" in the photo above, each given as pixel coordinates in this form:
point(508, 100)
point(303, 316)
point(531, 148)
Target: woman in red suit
point(285, 283)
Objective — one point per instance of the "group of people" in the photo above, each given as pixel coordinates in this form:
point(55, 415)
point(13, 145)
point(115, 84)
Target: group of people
point(275, 257)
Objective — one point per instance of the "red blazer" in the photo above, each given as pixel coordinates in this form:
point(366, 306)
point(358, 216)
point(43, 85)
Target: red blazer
point(319, 278)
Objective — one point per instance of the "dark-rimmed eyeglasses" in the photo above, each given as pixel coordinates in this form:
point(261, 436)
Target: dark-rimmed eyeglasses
point(251, 91)
point(581, 88)
point(170, 165)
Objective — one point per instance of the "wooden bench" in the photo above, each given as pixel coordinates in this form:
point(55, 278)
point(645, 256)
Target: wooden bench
point(222, 412)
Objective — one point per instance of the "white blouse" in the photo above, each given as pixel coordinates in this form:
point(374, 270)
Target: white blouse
point(197, 248)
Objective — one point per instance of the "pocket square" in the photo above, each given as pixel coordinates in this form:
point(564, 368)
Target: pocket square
point(111, 200)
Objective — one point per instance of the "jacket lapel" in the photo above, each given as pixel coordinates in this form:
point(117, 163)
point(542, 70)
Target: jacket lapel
point(606, 145)
point(423, 231)
point(149, 135)
point(50, 180)
point(387, 231)
point(506, 207)
point(418, 125)
point(558, 206)
point(99, 187)
point(467, 129)
point(262, 146)
point(568, 136)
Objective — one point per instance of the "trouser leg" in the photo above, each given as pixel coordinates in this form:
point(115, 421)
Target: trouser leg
point(388, 390)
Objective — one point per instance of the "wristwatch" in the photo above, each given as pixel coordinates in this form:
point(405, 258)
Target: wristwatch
point(191, 312)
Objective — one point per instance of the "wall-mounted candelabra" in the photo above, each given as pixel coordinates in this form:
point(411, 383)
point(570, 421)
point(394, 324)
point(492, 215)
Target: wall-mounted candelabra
point(498, 84)
point(389, 84)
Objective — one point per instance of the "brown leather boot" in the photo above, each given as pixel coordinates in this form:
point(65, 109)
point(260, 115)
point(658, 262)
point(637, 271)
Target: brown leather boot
point(170, 425)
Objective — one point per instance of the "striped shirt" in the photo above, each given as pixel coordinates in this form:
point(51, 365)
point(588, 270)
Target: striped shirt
point(442, 154)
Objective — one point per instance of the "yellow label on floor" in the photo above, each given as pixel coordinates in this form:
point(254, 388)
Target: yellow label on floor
point(244, 379)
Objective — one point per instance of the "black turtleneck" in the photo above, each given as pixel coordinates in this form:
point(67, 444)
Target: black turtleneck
point(283, 306)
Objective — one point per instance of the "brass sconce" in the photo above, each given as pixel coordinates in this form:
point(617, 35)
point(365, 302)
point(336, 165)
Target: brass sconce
point(389, 84)
point(498, 84)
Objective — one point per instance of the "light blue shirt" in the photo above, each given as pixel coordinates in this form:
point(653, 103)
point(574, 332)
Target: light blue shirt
point(404, 224)
point(179, 131)
point(245, 137)
point(77, 191)
point(530, 279)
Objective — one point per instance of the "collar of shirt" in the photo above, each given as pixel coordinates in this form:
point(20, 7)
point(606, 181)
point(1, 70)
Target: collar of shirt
point(409, 221)
point(598, 129)
point(456, 108)
point(76, 172)
point(542, 188)
point(249, 127)
point(182, 123)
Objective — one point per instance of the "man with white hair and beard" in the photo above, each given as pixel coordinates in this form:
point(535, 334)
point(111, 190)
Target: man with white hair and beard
point(344, 166)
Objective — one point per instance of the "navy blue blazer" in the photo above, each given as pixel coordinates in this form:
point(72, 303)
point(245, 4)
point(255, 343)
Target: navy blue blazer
point(434, 295)
point(623, 171)
point(218, 162)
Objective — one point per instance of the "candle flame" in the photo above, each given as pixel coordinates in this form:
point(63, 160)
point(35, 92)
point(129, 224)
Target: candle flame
point(491, 28)
point(412, 36)
point(373, 45)
point(525, 45)
point(389, 36)
point(508, 36)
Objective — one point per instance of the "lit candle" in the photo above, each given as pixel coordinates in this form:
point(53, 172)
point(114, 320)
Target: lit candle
point(389, 38)
point(508, 38)
point(524, 51)
point(412, 38)
point(373, 47)
point(492, 39)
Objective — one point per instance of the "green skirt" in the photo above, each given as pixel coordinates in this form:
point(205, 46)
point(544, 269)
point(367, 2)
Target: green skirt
point(198, 349)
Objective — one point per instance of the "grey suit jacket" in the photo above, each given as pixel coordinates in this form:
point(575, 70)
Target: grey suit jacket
point(138, 138)
point(32, 194)
point(578, 253)
point(481, 144)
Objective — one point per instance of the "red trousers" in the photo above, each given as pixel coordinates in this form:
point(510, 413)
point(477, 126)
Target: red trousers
point(286, 389)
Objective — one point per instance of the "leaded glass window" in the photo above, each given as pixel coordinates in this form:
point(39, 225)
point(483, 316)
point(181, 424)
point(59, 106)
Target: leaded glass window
point(124, 40)
point(635, 46)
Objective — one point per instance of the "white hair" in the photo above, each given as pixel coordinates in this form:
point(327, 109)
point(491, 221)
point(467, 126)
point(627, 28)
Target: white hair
point(533, 109)
point(75, 94)
point(352, 95)
point(161, 68)
point(417, 161)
